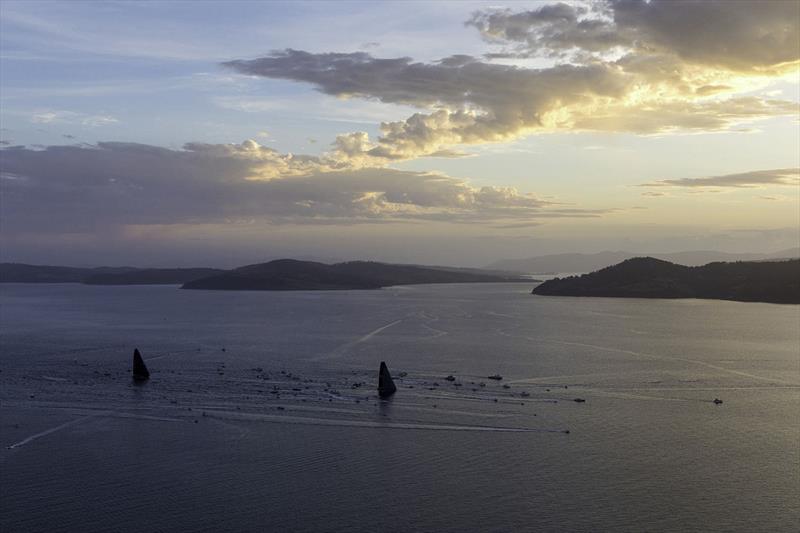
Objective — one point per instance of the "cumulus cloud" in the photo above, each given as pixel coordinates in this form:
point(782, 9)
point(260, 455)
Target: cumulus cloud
point(620, 66)
point(754, 178)
point(87, 187)
point(742, 36)
point(477, 102)
point(551, 30)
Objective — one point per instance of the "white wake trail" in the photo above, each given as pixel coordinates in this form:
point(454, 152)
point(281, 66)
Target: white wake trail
point(341, 350)
point(51, 430)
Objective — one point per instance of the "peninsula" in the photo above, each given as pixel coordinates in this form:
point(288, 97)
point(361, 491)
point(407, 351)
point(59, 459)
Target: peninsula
point(290, 274)
point(646, 277)
point(24, 273)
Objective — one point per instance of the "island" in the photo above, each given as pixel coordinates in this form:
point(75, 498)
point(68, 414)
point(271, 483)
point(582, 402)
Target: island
point(646, 277)
point(25, 273)
point(291, 274)
point(580, 262)
point(151, 276)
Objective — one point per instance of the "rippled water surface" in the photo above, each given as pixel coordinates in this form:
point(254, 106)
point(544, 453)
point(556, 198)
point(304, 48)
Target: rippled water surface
point(261, 414)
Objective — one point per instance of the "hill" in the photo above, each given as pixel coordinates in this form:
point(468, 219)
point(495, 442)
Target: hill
point(151, 276)
point(647, 277)
point(290, 274)
point(591, 262)
point(23, 273)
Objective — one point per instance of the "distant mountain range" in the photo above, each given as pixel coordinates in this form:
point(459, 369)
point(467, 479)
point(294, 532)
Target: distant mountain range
point(647, 277)
point(22, 273)
point(591, 262)
point(289, 274)
point(283, 274)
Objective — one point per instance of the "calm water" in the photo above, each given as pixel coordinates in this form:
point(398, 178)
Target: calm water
point(282, 430)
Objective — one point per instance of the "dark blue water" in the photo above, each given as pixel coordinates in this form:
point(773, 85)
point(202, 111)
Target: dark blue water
point(282, 429)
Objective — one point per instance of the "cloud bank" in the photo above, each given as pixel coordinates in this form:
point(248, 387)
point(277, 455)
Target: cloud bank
point(621, 66)
point(755, 178)
point(86, 187)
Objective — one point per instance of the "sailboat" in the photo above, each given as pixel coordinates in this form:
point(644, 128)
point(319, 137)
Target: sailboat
point(140, 372)
point(386, 385)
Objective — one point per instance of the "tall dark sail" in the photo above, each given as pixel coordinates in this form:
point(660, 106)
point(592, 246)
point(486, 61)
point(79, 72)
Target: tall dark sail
point(385, 384)
point(140, 372)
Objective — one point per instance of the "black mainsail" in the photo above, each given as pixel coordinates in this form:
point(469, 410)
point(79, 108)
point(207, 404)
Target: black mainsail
point(386, 385)
point(140, 372)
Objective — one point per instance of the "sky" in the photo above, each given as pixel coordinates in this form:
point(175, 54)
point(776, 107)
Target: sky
point(459, 133)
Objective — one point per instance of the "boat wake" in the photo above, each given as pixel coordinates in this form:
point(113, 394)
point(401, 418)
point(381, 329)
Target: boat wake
point(290, 419)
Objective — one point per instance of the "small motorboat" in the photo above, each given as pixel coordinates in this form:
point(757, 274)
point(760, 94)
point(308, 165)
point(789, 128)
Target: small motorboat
point(496, 377)
point(717, 401)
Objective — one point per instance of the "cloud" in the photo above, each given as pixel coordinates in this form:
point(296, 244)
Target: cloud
point(86, 188)
point(679, 115)
point(754, 178)
point(744, 36)
point(464, 100)
point(98, 120)
point(72, 117)
point(550, 30)
point(45, 117)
